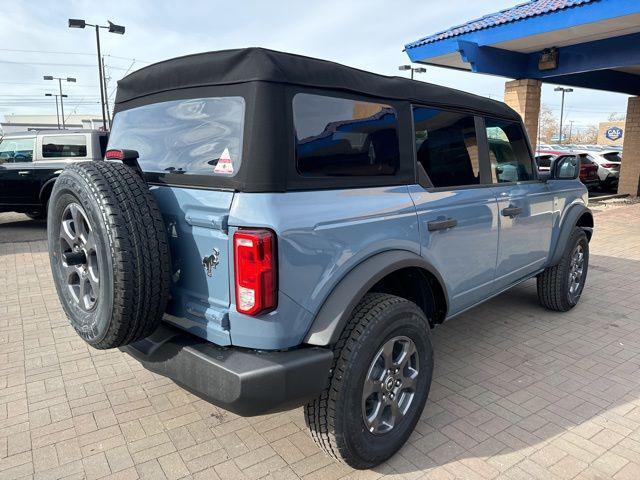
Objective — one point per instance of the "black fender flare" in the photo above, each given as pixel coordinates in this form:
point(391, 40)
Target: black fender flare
point(566, 227)
point(336, 309)
point(48, 184)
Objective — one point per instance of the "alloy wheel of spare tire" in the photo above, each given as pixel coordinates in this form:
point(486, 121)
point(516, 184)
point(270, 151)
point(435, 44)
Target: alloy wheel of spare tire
point(109, 253)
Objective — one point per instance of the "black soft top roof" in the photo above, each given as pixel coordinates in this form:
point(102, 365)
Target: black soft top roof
point(227, 67)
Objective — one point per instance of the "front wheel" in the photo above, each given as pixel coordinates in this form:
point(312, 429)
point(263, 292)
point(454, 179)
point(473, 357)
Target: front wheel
point(560, 286)
point(379, 383)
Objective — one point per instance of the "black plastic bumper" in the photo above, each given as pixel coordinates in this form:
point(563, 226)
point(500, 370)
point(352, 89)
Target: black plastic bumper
point(243, 381)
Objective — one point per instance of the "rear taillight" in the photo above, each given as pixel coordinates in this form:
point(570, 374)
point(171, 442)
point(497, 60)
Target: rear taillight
point(607, 165)
point(255, 270)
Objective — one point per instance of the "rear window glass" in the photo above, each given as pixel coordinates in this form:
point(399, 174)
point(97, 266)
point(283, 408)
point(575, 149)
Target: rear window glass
point(200, 136)
point(612, 156)
point(16, 150)
point(343, 137)
point(58, 146)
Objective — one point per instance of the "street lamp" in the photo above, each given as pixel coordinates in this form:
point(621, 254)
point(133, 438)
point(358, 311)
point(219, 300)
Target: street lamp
point(413, 69)
point(56, 96)
point(563, 90)
point(112, 28)
point(60, 79)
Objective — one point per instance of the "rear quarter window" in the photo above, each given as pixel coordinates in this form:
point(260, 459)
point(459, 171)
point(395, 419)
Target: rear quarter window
point(338, 137)
point(202, 136)
point(64, 146)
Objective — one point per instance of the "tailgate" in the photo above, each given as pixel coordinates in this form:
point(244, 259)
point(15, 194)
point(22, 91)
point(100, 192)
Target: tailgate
point(196, 222)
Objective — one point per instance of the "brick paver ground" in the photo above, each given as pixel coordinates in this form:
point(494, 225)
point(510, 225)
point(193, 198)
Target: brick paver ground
point(519, 392)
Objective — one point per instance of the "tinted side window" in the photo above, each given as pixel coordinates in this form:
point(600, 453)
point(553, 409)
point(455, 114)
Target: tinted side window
point(544, 160)
point(17, 150)
point(446, 146)
point(59, 146)
point(343, 137)
point(508, 151)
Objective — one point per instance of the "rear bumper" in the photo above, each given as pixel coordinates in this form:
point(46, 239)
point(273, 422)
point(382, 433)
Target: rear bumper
point(242, 381)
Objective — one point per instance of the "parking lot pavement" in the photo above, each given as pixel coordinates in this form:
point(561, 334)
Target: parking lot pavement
point(519, 392)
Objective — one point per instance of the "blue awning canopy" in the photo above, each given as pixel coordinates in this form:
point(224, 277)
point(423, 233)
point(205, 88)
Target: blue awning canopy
point(581, 43)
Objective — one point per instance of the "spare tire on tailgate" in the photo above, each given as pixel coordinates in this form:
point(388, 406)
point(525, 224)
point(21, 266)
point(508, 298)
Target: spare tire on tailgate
point(109, 253)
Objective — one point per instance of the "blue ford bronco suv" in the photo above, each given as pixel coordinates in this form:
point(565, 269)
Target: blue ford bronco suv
point(270, 230)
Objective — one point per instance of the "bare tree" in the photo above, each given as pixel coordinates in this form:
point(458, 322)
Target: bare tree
point(548, 124)
point(617, 117)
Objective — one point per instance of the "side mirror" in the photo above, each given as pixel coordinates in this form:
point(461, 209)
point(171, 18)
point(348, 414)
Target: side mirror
point(567, 168)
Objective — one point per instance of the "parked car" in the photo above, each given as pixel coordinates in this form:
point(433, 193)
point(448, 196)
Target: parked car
point(287, 231)
point(31, 161)
point(588, 169)
point(608, 164)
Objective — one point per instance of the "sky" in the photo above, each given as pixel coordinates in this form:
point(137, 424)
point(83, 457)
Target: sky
point(367, 34)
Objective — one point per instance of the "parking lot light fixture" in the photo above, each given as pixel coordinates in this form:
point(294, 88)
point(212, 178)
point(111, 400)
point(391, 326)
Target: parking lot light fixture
point(563, 90)
point(405, 68)
point(57, 112)
point(76, 23)
point(60, 79)
point(112, 28)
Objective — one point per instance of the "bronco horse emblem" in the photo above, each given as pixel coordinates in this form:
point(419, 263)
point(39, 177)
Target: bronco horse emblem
point(211, 262)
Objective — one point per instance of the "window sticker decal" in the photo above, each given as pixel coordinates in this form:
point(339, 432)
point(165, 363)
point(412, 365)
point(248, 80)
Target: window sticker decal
point(224, 165)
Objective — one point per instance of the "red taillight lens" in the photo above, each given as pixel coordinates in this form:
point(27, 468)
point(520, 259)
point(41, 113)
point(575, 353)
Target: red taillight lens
point(255, 270)
point(607, 165)
point(114, 155)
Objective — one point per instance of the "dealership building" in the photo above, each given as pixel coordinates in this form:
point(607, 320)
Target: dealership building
point(591, 44)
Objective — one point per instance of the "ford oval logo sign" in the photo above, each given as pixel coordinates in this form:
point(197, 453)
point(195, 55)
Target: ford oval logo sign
point(613, 133)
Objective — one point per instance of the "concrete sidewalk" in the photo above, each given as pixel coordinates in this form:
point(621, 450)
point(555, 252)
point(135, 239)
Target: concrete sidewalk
point(519, 392)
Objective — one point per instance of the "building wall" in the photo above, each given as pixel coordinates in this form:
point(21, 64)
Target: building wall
point(524, 97)
point(630, 168)
point(612, 129)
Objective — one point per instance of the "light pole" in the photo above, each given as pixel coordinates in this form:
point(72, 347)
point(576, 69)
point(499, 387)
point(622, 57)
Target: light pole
point(112, 28)
point(60, 79)
point(57, 113)
point(563, 90)
point(570, 129)
point(413, 69)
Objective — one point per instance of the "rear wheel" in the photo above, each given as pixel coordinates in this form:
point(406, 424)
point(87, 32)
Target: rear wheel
point(36, 214)
point(560, 286)
point(379, 383)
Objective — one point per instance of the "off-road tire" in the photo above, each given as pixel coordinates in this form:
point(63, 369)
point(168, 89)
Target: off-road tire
point(132, 251)
point(36, 214)
point(335, 417)
point(553, 282)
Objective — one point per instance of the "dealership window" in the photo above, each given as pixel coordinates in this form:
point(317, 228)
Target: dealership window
point(508, 151)
point(344, 137)
point(446, 146)
point(16, 150)
point(62, 146)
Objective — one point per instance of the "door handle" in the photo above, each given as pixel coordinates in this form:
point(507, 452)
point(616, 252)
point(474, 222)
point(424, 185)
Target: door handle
point(24, 172)
point(511, 211)
point(442, 224)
